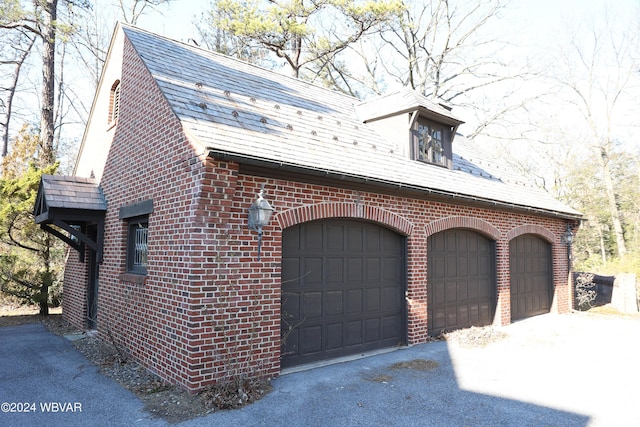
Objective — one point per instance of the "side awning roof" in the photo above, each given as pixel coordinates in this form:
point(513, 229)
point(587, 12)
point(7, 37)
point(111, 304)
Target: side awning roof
point(71, 203)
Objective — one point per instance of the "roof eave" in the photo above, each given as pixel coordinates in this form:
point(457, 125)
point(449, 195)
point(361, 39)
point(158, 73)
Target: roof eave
point(425, 112)
point(308, 170)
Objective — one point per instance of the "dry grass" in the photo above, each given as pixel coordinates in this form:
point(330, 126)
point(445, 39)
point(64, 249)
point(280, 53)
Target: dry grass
point(416, 365)
point(13, 315)
point(610, 310)
point(475, 337)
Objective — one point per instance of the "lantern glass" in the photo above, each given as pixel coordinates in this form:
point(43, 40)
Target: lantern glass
point(259, 213)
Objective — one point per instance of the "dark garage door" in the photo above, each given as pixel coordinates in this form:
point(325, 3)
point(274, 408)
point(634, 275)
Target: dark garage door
point(531, 278)
point(461, 280)
point(342, 290)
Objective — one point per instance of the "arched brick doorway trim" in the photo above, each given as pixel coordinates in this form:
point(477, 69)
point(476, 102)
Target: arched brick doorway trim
point(308, 213)
point(463, 222)
point(531, 229)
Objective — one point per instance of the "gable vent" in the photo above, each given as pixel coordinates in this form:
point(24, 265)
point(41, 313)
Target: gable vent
point(114, 102)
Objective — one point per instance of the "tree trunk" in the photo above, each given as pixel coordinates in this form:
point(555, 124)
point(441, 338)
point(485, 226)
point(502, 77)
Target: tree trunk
point(603, 252)
point(47, 156)
point(47, 277)
point(19, 62)
point(612, 203)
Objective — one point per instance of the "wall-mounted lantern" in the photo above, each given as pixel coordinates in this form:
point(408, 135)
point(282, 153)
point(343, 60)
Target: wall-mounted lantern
point(567, 237)
point(259, 215)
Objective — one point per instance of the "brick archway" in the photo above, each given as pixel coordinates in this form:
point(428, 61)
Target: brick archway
point(308, 213)
point(531, 229)
point(476, 224)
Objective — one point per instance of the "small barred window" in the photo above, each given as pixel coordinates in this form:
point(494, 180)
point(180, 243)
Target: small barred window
point(137, 250)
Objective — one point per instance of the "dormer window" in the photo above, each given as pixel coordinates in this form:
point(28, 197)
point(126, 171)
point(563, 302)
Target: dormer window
point(432, 142)
point(425, 126)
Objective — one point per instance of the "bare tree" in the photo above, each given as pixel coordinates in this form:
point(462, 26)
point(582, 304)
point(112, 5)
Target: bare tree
point(132, 10)
point(599, 74)
point(20, 45)
point(39, 23)
point(444, 50)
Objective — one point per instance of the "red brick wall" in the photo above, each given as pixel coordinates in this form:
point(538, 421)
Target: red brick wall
point(74, 292)
point(152, 317)
point(207, 310)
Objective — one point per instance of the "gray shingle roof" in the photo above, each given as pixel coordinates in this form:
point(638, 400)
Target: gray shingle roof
point(230, 106)
point(72, 192)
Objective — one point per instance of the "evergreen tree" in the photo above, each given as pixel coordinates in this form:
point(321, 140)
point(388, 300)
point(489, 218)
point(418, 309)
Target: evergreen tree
point(30, 259)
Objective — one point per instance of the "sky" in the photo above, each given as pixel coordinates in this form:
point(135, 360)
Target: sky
point(533, 19)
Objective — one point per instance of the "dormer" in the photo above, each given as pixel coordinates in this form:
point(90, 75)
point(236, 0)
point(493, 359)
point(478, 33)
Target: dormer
point(420, 129)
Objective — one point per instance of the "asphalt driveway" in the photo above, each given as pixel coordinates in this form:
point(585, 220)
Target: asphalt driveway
point(569, 370)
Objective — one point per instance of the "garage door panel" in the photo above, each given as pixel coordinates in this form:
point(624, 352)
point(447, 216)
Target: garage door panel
point(438, 319)
point(462, 267)
point(531, 276)
point(309, 240)
point(451, 292)
point(451, 267)
point(389, 242)
point(462, 314)
point(311, 339)
point(373, 300)
point(390, 324)
point(392, 269)
point(372, 271)
point(353, 333)
point(354, 271)
point(372, 330)
point(332, 303)
point(291, 305)
point(451, 315)
point(334, 336)
point(437, 295)
point(292, 240)
point(335, 270)
point(474, 313)
point(312, 305)
point(291, 341)
point(372, 241)
point(312, 272)
point(335, 241)
point(462, 294)
point(354, 239)
point(464, 291)
point(437, 268)
point(485, 267)
point(484, 289)
point(355, 298)
point(352, 292)
point(291, 271)
point(391, 300)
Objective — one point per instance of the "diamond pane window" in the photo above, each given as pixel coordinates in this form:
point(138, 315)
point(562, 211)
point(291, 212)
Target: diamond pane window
point(430, 144)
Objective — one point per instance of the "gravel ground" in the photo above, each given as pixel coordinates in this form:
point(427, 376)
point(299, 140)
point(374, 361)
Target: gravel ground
point(163, 400)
